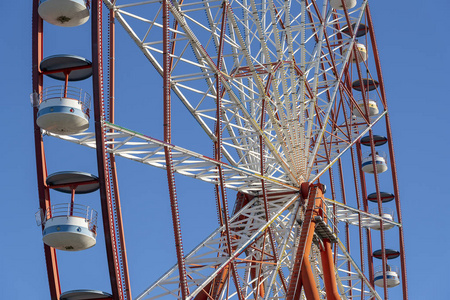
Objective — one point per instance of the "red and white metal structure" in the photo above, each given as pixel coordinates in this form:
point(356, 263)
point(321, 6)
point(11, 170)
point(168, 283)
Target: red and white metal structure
point(272, 84)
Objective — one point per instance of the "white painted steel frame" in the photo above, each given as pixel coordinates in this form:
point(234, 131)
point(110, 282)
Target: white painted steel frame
point(138, 147)
point(135, 146)
point(248, 75)
point(211, 256)
point(289, 53)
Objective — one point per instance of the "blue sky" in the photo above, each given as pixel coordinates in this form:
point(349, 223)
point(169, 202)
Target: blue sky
point(414, 52)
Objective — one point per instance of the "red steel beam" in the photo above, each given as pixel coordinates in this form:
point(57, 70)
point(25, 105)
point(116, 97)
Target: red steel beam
point(301, 275)
point(329, 277)
point(366, 209)
point(41, 165)
point(218, 156)
point(112, 158)
point(107, 213)
point(168, 153)
point(391, 155)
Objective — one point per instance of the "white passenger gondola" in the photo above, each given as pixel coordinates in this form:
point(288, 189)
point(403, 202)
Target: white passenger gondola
point(360, 55)
point(70, 226)
point(63, 112)
point(380, 161)
point(386, 214)
point(373, 108)
point(66, 13)
point(392, 278)
point(337, 4)
point(63, 109)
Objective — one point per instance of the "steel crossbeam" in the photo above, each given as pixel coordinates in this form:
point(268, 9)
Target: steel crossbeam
point(353, 216)
point(141, 148)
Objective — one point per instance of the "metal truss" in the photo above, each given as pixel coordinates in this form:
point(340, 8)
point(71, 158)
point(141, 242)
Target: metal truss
point(352, 282)
point(281, 76)
point(290, 53)
point(138, 147)
point(355, 216)
point(270, 84)
point(248, 225)
point(250, 252)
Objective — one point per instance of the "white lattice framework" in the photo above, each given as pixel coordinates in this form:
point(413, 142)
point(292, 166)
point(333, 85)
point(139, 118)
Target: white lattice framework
point(284, 61)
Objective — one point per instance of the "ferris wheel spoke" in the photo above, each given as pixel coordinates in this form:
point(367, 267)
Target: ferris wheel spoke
point(246, 119)
point(153, 55)
point(285, 117)
point(319, 59)
point(337, 143)
point(324, 99)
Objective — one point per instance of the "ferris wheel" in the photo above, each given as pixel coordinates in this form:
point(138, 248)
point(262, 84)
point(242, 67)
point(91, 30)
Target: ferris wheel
point(290, 95)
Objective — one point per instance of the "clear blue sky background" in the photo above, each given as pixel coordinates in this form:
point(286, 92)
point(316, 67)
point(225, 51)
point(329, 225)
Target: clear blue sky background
point(414, 51)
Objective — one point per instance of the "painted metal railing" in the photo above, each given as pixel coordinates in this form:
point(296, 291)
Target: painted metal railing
point(328, 215)
point(368, 155)
point(86, 2)
point(68, 210)
point(384, 211)
point(70, 92)
point(389, 268)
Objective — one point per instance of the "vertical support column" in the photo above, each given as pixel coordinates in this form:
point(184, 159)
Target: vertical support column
point(112, 159)
point(301, 274)
point(168, 154)
point(107, 213)
point(326, 255)
point(224, 213)
point(41, 165)
point(307, 281)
